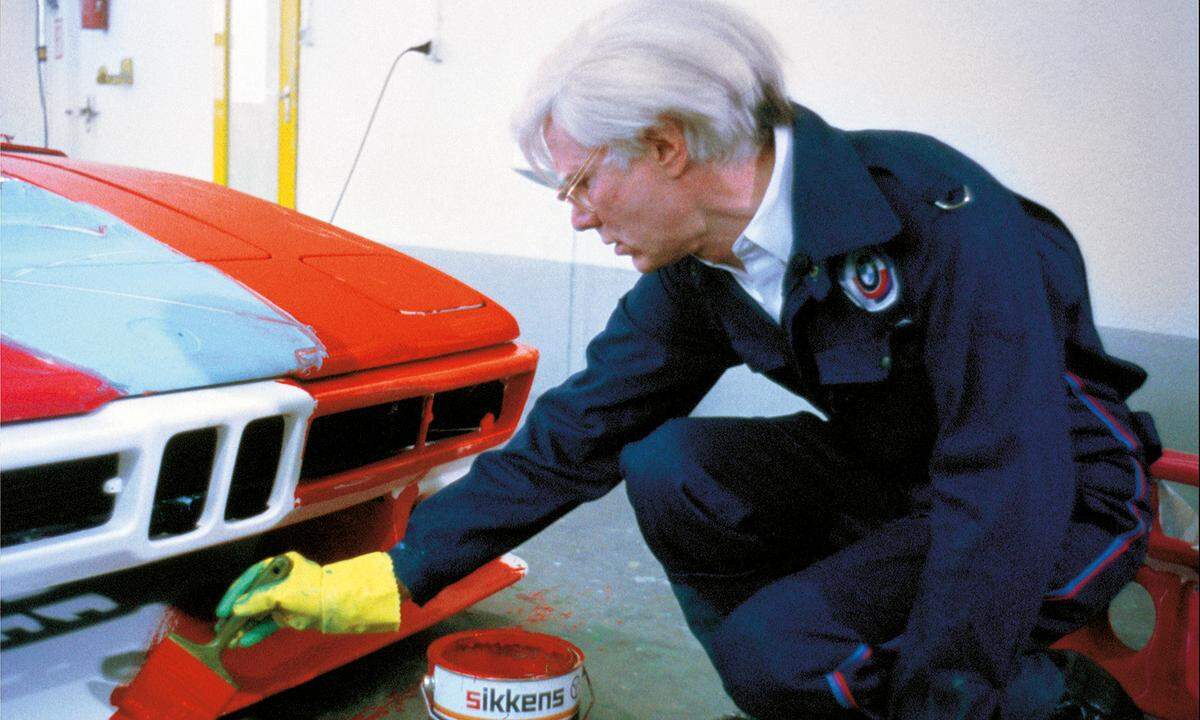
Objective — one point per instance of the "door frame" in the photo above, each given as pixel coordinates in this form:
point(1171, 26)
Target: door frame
point(287, 92)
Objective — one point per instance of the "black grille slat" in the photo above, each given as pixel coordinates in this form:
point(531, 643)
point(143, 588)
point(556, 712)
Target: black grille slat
point(254, 472)
point(183, 478)
point(461, 411)
point(55, 499)
point(347, 440)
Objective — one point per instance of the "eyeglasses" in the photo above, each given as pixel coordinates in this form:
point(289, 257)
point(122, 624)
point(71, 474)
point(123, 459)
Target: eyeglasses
point(574, 188)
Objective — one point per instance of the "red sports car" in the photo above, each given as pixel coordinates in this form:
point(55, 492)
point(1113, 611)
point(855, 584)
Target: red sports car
point(192, 379)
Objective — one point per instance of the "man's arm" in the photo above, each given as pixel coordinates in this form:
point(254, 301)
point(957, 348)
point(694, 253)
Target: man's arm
point(655, 360)
point(1002, 474)
point(657, 357)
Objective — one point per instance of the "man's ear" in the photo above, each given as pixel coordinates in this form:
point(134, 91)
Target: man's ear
point(667, 147)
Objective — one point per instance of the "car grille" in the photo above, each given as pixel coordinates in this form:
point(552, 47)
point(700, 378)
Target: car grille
point(462, 411)
point(146, 478)
point(57, 498)
point(256, 468)
point(351, 439)
point(354, 438)
point(187, 464)
point(150, 477)
point(34, 506)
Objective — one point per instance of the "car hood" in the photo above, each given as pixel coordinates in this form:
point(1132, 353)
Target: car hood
point(120, 282)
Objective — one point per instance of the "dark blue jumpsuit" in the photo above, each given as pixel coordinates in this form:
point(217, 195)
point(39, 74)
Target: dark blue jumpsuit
point(978, 490)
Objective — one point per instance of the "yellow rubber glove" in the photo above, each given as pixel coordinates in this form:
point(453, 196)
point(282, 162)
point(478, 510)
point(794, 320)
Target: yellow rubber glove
point(351, 596)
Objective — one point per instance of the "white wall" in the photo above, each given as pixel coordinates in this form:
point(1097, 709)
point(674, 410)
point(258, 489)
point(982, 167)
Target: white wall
point(163, 121)
point(436, 169)
point(20, 114)
point(1090, 108)
point(1087, 107)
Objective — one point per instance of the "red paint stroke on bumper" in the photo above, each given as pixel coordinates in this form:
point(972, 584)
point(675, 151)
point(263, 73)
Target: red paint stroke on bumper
point(289, 658)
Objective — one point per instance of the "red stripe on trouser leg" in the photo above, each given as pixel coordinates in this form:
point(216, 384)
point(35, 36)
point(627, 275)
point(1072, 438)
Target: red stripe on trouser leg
point(845, 688)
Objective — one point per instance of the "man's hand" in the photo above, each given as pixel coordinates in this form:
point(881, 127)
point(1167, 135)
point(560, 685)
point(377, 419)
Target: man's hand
point(352, 596)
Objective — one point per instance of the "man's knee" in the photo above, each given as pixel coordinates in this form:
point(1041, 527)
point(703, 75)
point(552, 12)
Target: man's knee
point(754, 680)
point(654, 467)
point(767, 677)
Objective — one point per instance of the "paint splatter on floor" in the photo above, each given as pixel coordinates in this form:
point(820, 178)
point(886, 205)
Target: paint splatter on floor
point(391, 708)
point(538, 609)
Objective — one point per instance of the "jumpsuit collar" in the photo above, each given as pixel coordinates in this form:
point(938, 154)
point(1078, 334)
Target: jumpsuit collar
point(836, 205)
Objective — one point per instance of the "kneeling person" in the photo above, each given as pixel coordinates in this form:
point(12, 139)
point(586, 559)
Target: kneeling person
point(979, 487)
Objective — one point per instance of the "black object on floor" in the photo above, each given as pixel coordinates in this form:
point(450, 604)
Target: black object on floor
point(1091, 693)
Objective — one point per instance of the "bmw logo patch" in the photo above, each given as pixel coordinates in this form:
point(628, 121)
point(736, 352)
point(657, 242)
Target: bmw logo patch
point(870, 280)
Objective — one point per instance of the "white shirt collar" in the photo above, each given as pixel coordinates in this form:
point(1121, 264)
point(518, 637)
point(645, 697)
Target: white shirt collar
point(771, 226)
point(765, 245)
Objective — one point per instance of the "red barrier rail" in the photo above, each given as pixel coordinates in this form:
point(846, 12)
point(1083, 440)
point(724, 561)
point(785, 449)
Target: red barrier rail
point(1162, 675)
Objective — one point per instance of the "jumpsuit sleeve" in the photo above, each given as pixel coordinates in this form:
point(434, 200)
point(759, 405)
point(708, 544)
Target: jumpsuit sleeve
point(1001, 473)
point(655, 359)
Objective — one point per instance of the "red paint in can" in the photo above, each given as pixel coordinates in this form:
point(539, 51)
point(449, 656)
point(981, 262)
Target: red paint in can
point(503, 673)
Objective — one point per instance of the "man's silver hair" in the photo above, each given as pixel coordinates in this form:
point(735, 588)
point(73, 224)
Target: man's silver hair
point(709, 67)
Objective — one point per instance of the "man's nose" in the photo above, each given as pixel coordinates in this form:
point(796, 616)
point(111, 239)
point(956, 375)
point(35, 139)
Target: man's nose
point(583, 219)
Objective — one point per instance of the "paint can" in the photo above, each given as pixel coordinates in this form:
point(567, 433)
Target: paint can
point(504, 674)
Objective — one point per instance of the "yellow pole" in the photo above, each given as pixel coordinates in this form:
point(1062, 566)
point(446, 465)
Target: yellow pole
point(289, 99)
point(221, 103)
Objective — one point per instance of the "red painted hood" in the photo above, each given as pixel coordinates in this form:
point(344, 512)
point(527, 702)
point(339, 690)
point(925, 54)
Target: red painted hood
point(368, 304)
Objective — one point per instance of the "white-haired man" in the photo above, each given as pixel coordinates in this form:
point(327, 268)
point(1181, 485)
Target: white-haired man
point(978, 489)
